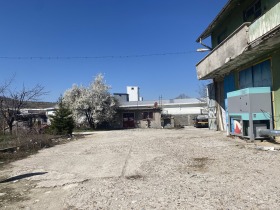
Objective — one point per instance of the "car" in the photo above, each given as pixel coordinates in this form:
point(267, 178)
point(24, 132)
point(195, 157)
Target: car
point(200, 121)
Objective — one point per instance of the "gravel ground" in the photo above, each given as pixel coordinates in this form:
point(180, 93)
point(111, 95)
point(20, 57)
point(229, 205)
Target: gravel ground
point(146, 169)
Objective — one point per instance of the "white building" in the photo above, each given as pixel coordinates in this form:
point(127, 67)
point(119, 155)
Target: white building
point(182, 110)
point(133, 92)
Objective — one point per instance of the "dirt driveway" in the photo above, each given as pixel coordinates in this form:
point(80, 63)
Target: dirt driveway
point(145, 169)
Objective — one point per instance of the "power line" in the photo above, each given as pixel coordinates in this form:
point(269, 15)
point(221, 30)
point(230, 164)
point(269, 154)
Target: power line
point(93, 57)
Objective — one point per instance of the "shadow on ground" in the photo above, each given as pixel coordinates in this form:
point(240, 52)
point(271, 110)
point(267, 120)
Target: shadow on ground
point(22, 176)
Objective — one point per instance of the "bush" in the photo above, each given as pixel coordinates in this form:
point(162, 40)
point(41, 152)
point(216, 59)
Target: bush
point(62, 122)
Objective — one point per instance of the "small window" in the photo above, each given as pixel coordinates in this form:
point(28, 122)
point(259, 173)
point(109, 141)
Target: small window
point(132, 88)
point(147, 115)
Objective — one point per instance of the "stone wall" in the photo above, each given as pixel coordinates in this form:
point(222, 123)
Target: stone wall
point(184, 120)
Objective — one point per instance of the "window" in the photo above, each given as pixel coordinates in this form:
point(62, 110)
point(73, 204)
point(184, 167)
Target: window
point(256, 76)
point(253, 11)
point(147, 115)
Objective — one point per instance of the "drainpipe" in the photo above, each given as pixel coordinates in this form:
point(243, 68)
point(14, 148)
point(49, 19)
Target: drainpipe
point(267, 132)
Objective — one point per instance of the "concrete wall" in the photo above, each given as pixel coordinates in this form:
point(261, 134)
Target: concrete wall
point(233, 20)
point(154, 123)
point(232, 47)
point(186, 119)
point(138, 121)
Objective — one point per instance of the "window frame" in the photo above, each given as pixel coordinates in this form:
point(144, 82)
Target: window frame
point(252, 12)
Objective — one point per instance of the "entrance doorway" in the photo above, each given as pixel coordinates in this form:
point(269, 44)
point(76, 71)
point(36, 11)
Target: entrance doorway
point(128, 120)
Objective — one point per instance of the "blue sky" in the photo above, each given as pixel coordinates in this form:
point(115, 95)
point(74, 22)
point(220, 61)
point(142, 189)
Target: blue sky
point(96, 28)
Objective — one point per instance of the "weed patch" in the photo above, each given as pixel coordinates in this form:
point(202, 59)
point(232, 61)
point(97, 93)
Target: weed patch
point(18, 147)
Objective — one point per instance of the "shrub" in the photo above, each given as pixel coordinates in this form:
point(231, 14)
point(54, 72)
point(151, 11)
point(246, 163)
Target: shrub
point(62, 122)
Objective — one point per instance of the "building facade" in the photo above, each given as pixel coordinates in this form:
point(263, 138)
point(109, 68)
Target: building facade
point(158, 113)
point(245, 53)
point(138, 117)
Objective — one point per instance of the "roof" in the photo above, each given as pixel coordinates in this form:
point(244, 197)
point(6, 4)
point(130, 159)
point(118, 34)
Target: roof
point(229, 6)
point(162, 102)
point(120, 93)
point(140, 108)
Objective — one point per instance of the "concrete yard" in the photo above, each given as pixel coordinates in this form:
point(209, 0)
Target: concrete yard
point(145, 169)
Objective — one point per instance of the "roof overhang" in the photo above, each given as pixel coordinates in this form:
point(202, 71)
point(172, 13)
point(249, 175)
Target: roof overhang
point(139, 108)
point(222, 14)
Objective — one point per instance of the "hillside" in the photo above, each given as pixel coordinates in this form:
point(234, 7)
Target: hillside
point(40, 104)
point(32, 104)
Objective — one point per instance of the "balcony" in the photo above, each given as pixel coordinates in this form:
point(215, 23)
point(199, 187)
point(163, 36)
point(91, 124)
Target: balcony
point(228, 50)
point(265, 24)
point(246, 44)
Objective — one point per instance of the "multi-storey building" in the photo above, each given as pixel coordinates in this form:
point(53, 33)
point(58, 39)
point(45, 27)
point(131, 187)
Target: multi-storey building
point(245, 53)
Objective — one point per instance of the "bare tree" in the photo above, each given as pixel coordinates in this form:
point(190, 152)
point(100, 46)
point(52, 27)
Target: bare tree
point(11, 101)
point(202, 91)
point(5, 85)
point(3, 88)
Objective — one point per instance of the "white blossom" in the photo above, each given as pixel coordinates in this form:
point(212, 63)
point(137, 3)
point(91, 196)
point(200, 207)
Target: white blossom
point(93, 104)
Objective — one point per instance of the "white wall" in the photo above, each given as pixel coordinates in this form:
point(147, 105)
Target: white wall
point(181, 110)
point(133, 92)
